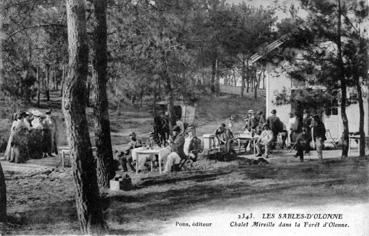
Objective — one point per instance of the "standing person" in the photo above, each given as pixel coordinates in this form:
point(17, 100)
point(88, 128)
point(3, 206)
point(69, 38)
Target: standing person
point(275, 124)
point(265, 140)
point(230, 122)
point(228, 137)
point(252, 122)
point(261, 121)
point(165, 127)
point(51, 127)
point(319, 136)
point(10, 140)
point(292, 127)
point(302, 144)
point(307, 121)
point(19, 143)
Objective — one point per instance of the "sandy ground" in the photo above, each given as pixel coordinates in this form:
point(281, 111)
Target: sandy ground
point(40, 196)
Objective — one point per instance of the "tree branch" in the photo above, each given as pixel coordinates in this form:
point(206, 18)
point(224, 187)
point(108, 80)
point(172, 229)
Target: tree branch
point(35, 26)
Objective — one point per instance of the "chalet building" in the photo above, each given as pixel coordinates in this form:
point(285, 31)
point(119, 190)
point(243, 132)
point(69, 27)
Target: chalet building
point(282, 95)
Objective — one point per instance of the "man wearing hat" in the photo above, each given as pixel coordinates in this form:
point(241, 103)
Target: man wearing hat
point(126, 157)
point(265, 140)
point(252, 122)
point(275, 124)
point(177, 150)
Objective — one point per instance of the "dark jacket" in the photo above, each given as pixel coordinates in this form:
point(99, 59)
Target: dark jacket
point(302, 140)
point(177, 145)
point(252, 123)
point(319, 130)
point(195, 146)
point(275, 124)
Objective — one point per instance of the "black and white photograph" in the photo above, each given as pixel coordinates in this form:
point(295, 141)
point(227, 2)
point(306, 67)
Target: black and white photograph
point(184, 117)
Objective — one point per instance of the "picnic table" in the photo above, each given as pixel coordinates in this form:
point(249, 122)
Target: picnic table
point(161, 152)
point(246, 137)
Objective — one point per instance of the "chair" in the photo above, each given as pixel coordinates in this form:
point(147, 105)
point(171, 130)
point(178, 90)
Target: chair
point(184, 161)
point(293, 141)
point(333, 141)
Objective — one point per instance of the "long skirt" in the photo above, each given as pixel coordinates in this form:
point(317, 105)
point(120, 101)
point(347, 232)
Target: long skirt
point(20, 149)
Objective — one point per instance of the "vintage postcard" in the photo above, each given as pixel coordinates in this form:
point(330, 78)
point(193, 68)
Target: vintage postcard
point(192, 117)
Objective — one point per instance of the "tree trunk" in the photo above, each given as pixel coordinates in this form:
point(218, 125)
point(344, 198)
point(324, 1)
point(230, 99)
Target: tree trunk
point(38, 88)
point(62, 81)
point(172, 119)
point(2, 196)
point(257, 83)
point(46, 84)
point(213, 76)
point(142, 91)
point(243, 78)
point(247, 78)
point(88, 92)
point(361, 118)
point(345, 135)
point(89, 210)
point(105, 163)
point(217, 78)
point(154, 110)
point(2, 35)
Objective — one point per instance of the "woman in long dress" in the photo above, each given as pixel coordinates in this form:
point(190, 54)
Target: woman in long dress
point(10, 140)
point(19, 145)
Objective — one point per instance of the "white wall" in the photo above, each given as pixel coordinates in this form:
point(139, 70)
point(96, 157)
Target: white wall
point(275, 84)
point(333, 123)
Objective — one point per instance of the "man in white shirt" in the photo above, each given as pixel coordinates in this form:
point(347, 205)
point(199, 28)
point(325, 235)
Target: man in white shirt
point(265, 139)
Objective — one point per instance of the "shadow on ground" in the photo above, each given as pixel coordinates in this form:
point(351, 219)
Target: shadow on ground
point(159, 199)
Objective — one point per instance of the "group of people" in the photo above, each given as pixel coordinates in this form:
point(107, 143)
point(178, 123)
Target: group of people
point(30, 127)
point(181, 145)
point(299, 133)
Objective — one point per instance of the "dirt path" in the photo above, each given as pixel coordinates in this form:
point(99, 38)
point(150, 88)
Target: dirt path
point(43, 203)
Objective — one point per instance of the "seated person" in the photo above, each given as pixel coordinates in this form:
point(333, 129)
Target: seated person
point(265, 140)
point(191, 145)
point(177, 151)
point(126, 158)
point(224, 137)
point(302, 144)
point(181, 125)
point(220, 134)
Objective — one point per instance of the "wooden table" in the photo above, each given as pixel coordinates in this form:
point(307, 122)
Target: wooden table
point(161, 152)
point(247, 137)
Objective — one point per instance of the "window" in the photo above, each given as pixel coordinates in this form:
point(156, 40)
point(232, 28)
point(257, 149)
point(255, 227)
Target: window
point(331, 108)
